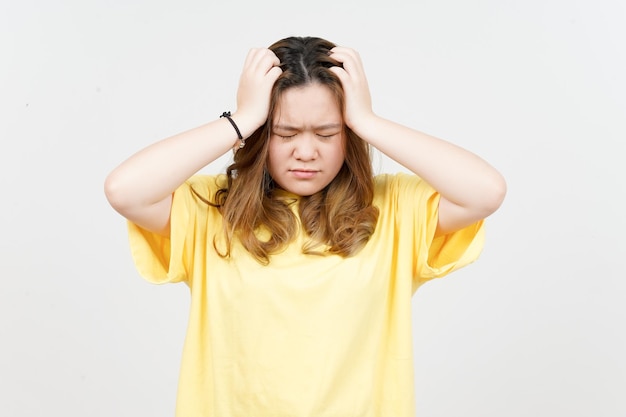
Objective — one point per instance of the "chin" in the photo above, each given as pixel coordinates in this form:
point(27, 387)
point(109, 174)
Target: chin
point(303, 191)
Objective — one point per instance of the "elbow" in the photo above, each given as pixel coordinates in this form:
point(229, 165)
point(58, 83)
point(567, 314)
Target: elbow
point(114, 193)
point(494, 197)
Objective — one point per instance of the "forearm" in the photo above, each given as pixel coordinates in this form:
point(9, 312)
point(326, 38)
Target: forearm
point(152, 174)
point(469, 187)
point(458, 175)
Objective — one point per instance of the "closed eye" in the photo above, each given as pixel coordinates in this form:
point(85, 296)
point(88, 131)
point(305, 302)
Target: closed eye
point(287, 136)
point(327, 136)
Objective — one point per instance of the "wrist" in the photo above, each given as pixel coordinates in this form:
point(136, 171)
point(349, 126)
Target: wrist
point(365, 125)
point(247, 125)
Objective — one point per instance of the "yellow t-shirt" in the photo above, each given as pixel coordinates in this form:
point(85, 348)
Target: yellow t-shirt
point(306, 335)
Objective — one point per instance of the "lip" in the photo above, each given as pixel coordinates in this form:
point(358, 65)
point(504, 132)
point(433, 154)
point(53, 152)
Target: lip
point(303, 173)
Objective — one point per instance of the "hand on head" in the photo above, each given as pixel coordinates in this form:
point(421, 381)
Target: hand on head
point(262, 68)
point(260, 71)
point(358, 102)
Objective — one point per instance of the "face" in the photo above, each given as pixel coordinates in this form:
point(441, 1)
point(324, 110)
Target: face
point(306, 149)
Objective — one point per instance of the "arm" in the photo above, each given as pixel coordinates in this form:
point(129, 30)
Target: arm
point(470, 188)
point(141, 187)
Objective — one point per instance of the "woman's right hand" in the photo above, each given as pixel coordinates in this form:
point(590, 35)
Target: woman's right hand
point(260, 71)
point(141, 187)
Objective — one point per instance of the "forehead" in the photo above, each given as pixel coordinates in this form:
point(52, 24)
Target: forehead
point(309, 105)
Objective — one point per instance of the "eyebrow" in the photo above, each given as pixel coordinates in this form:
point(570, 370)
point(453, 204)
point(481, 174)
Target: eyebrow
point(320, 127)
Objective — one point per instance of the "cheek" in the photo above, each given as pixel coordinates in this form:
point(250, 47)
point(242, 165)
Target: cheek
point(339, 156)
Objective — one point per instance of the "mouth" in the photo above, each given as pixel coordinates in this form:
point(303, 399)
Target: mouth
point(303, 173)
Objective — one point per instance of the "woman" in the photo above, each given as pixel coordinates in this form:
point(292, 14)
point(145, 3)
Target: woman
point(301, 264)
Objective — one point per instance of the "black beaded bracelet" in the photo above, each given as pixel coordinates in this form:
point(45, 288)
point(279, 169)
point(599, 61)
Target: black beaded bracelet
point(242, 141)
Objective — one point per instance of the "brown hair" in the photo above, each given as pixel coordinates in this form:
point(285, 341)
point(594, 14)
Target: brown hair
point(338, 219)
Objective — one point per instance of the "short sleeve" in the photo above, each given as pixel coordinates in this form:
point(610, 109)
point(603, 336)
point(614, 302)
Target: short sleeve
point(160, 259)
point(415, 205)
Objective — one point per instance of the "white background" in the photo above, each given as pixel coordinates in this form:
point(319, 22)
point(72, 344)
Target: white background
point(536, 327)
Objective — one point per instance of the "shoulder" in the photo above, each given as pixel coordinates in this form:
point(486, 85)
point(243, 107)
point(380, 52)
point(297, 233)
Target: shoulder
point(384, 180)
point(404, 193)
point(199, 190)
point(399, 183)
point(211, 181)
point(204, 185)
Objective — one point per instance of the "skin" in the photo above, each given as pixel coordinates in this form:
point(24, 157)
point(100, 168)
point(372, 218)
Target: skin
point(469, 187)
point(306, 146)
point(141, 187)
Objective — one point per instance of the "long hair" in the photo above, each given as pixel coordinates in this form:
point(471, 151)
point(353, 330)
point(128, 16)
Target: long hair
point(338, 219)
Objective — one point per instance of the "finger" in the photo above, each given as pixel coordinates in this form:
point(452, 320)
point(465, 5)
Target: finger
point(273, 62)
point(341, 74)
point(274, 73)
point(345, 53)
point(349, 59)
point(246, 62)
point(251, 57)
point(264, 61)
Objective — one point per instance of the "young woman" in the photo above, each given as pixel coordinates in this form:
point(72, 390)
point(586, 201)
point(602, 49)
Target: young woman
point(301, 263)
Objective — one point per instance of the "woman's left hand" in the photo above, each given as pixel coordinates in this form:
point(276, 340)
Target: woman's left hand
point(358, 102)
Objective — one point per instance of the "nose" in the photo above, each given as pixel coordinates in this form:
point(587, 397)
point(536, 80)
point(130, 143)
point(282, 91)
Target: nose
point(305, 148)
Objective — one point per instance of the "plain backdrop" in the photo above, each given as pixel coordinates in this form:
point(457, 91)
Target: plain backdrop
point(536, 327)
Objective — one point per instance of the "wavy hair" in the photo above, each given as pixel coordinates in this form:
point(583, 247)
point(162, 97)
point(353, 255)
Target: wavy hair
point(338, 219)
